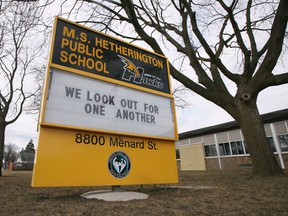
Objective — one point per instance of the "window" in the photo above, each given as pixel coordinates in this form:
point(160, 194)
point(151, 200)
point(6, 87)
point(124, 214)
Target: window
point(224, 149)
point(177, 154)
point(271, 143)
point(240, 147)
point(237, 147)
point(210, 150)
point(283, 141)
point(245, 146)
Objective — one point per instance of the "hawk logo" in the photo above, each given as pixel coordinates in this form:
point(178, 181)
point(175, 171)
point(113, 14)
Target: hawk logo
point(130, 67)
point(136, 75)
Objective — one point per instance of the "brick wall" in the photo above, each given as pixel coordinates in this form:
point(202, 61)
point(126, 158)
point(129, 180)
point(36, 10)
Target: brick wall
point(212, 164)
point(234, 163)
point(228, 163)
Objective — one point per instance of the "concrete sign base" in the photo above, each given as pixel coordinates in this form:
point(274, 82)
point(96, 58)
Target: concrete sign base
point(108, 195)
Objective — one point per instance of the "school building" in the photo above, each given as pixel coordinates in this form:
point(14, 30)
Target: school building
point(223, 146)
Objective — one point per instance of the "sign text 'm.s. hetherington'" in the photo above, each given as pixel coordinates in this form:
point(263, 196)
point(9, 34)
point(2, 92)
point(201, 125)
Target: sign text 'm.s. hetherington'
point(78, 48)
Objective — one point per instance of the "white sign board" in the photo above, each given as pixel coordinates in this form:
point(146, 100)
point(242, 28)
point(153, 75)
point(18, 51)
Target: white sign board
point(78, 101)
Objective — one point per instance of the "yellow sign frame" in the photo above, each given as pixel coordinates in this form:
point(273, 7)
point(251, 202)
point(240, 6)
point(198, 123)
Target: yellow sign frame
point(64, 162)
point(61, 161)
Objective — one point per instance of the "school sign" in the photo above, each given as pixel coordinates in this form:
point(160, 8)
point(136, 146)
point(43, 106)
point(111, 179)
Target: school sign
point(107, 115)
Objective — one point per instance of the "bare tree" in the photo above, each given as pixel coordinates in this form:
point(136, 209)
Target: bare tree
point(34, 105)
point(19, 46)
point(10, 154)
point(180, 94)
point(231, 47)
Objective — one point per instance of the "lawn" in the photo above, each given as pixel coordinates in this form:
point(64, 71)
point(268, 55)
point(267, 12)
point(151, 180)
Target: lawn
point(198, 193)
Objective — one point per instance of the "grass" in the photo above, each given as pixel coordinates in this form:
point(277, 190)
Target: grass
point(198, 193)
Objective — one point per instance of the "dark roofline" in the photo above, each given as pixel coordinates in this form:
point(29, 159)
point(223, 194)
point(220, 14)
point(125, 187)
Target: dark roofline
point(267, 118)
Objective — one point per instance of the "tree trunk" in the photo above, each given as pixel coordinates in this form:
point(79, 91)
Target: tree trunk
point(263, 159)
point(2, 139)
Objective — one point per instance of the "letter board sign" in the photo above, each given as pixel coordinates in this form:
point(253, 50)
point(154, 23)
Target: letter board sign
point(102, 121)
point(84, 102)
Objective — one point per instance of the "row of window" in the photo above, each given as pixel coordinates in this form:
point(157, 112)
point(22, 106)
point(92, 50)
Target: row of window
point(240, 148)
point(283, 142)
point(227, 148)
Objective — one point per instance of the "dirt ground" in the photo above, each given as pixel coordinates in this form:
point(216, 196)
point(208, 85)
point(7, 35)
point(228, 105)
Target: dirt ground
point(198, 193)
